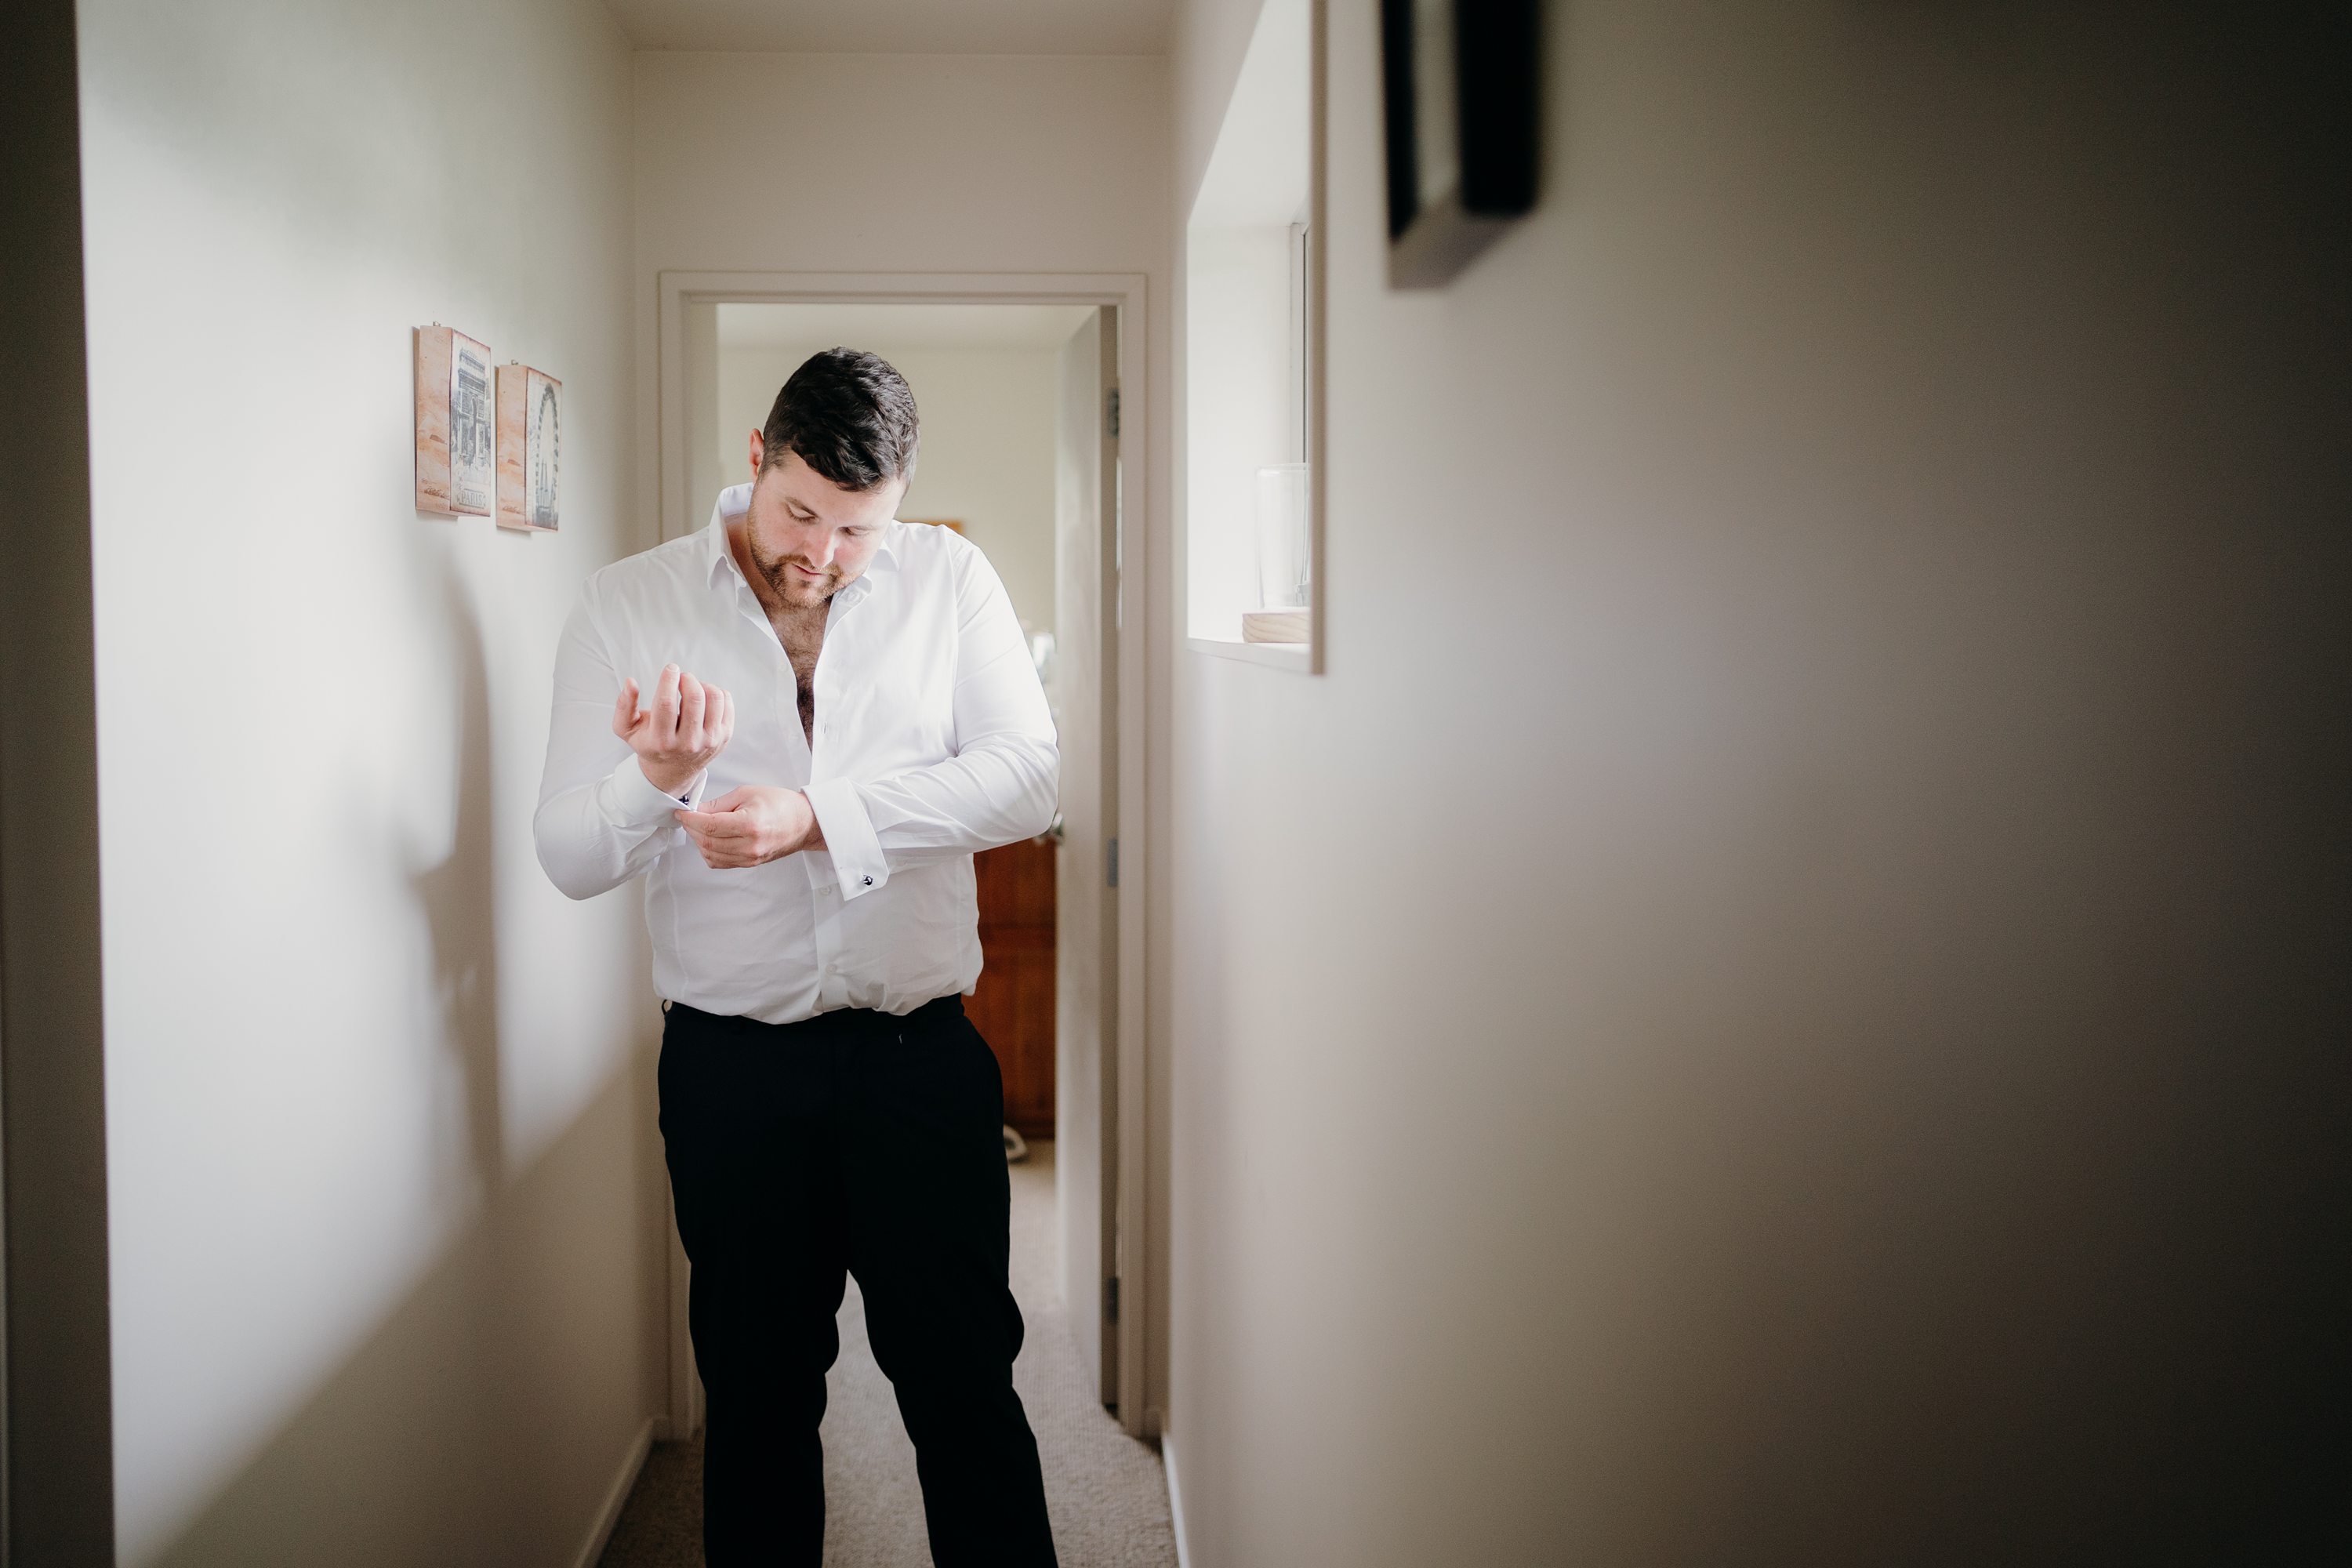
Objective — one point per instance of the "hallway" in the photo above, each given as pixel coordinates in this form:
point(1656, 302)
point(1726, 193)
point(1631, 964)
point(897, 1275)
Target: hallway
point(1108, 1493)
point(1700, 724)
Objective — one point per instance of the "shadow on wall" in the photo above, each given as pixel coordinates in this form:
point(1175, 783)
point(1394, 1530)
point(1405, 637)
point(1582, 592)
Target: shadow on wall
point(453, 1435)
point(473, 1425)
point(459, 902)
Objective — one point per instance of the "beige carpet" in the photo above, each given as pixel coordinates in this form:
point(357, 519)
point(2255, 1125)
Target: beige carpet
point(1107, 1492)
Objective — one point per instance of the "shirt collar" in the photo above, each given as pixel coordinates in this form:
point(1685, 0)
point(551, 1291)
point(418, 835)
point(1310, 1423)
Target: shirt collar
point(733, 502)
point(736, 500)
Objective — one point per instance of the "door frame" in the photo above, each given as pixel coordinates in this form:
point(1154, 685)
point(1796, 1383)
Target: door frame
point(56, 1408)
point(672, 480)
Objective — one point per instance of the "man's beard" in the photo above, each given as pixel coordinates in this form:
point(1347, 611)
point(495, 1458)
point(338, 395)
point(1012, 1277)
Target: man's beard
point(779, 574)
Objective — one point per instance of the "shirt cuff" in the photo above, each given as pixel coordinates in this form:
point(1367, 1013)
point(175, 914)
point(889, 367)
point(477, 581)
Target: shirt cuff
point(848, 836)
point(632, 800)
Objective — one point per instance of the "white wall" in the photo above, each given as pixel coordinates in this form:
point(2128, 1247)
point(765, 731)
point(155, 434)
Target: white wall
point(387, 1201)
point(1783, 1000)
point(987, 458)
point(896, 163)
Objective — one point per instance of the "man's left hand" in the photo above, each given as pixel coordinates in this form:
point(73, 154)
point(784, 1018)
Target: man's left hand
point(752, 825)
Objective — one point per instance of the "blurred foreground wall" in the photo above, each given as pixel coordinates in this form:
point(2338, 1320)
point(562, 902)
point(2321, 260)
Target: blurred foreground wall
point(1785, 999)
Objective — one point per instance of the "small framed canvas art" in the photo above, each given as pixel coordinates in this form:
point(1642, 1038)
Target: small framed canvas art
point(1459, 81)
point(454, 453)
point(531, 441)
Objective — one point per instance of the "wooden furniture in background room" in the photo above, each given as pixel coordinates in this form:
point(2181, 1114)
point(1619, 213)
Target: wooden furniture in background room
point(947, 522)
point(1014, 1006)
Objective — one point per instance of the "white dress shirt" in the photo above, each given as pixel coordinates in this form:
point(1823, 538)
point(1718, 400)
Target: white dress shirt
point(933, 740)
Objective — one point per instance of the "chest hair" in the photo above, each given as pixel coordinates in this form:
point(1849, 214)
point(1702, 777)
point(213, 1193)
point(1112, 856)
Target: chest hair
point(801, 631)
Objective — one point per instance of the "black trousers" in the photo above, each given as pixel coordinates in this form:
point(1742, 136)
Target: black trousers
point(856, 1143)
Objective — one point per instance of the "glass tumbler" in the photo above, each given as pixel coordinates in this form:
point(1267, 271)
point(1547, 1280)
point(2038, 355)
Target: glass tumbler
point(1283, 561)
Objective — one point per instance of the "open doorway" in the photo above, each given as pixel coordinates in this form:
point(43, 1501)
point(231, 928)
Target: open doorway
point(988, 383)
point(1024, 452)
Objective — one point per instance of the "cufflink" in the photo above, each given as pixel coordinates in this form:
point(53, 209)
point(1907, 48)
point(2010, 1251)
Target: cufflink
point(870, 881)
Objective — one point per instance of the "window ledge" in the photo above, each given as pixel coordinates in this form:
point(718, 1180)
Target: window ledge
point(1292, 656)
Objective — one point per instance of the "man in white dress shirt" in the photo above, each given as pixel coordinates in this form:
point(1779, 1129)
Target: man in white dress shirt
point(798, 725)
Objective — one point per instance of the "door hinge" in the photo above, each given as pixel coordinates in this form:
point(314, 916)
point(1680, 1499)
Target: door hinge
point(1110, 411)
point(1110, 1300)
point(1110, 855)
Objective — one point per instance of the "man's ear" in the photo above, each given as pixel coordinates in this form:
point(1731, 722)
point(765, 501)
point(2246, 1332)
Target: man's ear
point(759, 450)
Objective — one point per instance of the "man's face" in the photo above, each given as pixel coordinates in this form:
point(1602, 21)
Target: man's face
point(807, 536)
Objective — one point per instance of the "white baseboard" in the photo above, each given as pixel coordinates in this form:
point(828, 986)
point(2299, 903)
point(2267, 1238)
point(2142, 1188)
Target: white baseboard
point(1175, 1497)
point(618, 1498)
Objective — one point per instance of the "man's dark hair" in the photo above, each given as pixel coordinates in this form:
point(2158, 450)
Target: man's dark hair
point(849, 415)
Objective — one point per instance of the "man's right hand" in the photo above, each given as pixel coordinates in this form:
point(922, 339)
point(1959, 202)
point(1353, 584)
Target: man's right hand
point(677, 735)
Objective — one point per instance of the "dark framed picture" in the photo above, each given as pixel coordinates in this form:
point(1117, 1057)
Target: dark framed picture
point(1458, 83)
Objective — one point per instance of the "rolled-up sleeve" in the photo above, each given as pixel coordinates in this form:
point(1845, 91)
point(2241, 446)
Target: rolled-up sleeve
point(998, 787)
point(600, 821)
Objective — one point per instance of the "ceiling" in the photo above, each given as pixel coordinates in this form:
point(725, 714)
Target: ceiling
point(900, 326)
point(900, 27)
